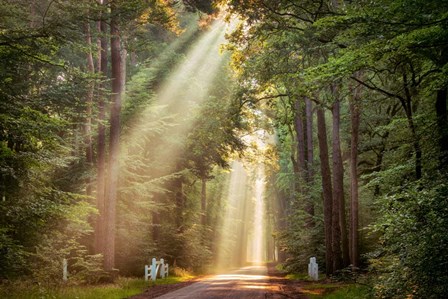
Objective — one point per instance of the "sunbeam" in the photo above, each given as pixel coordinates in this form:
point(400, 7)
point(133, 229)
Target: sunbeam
point(256, 250)
point(243, 229)
point(183, 90)
point(230, 249)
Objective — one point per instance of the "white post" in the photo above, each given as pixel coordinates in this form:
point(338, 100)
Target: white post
point(313, 269)
point(146, 272)
point(166, 270)
point(64, 270)
point(162, 268)
point(316, 270)
point(153, 269)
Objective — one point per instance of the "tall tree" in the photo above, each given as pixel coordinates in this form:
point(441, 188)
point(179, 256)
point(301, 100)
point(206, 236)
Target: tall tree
point(114, 138)
point(338, 184)
point(442, 125)
point(310, 158)
point(100, 227)
point(354, 196)
point(304, 137)
point(332, 232)
point(89, 105)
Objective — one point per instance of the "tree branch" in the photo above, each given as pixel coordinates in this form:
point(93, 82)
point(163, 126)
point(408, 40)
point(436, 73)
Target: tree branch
point(376, 88)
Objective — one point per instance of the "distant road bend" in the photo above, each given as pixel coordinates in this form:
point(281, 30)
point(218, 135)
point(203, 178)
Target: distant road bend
point(246, 283)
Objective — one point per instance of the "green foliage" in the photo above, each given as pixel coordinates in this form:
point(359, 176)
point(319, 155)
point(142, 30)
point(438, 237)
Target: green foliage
point(352, 291)
point(123, 288)
point(41, 98)
point(395, 50)
point(14, 257)
point(413, 225)
point(204, 6)
point(298, 276)
point(64, 241)
point(301, 243)
point(281, 52)
point(212, 140)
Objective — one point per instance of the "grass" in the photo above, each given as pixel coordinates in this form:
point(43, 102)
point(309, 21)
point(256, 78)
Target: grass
point(353, 292)
point(304, 276)
point(329, 291)
point(317, 290)
point(122, 288)
point(297, 276)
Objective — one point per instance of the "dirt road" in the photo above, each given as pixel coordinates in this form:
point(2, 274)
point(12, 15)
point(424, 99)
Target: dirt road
point(246, 283)
point(249, 282)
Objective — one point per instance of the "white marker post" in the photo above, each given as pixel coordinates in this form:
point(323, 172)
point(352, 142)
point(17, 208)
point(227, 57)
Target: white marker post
point(153, 269)
point(146, 272)
point(162, 268)
point(64, 270)
point(313, 269)
point(150, 271)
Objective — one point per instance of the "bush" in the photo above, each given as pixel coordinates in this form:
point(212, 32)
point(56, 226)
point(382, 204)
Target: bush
point(64, 242)
point(13, 256)
point(414, 223)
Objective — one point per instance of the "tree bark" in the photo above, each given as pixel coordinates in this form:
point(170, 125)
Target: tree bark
point(100, 226)
point(331, 257)
point(338, 185)
point(407, 106)
point(155, 227)
point(442, 125)
point(309, 160)
point(309, 140)
point(89, 102)
point(300, 135)
point(301, 171)
point(124, 68)
point(203, 201)
point(114, 140)
point(180, 202)
point(354, 196)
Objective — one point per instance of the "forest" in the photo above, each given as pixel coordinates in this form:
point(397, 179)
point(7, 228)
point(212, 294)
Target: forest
point(219, 133)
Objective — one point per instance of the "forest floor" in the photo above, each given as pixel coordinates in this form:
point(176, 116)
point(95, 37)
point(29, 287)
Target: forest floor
point(278, 286)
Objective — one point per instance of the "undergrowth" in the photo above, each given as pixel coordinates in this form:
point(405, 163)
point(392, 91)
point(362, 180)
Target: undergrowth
point(122, 288)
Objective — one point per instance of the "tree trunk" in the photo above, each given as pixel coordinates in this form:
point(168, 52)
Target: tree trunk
point(124, 69)
point(133, 59)
point(242, 243)
point(407, 106)
point(100, 226)
point(309, 140)
point(301, 173)
point(309, 160)
point(355, 119)
point(156, 228)
point(203, 201)
point(89, 102)
point(114, 140)
point(300, 135)
point(338, 185)
point(442, 125)
point(332, 234)
point(282, 212)
point(180, 202)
